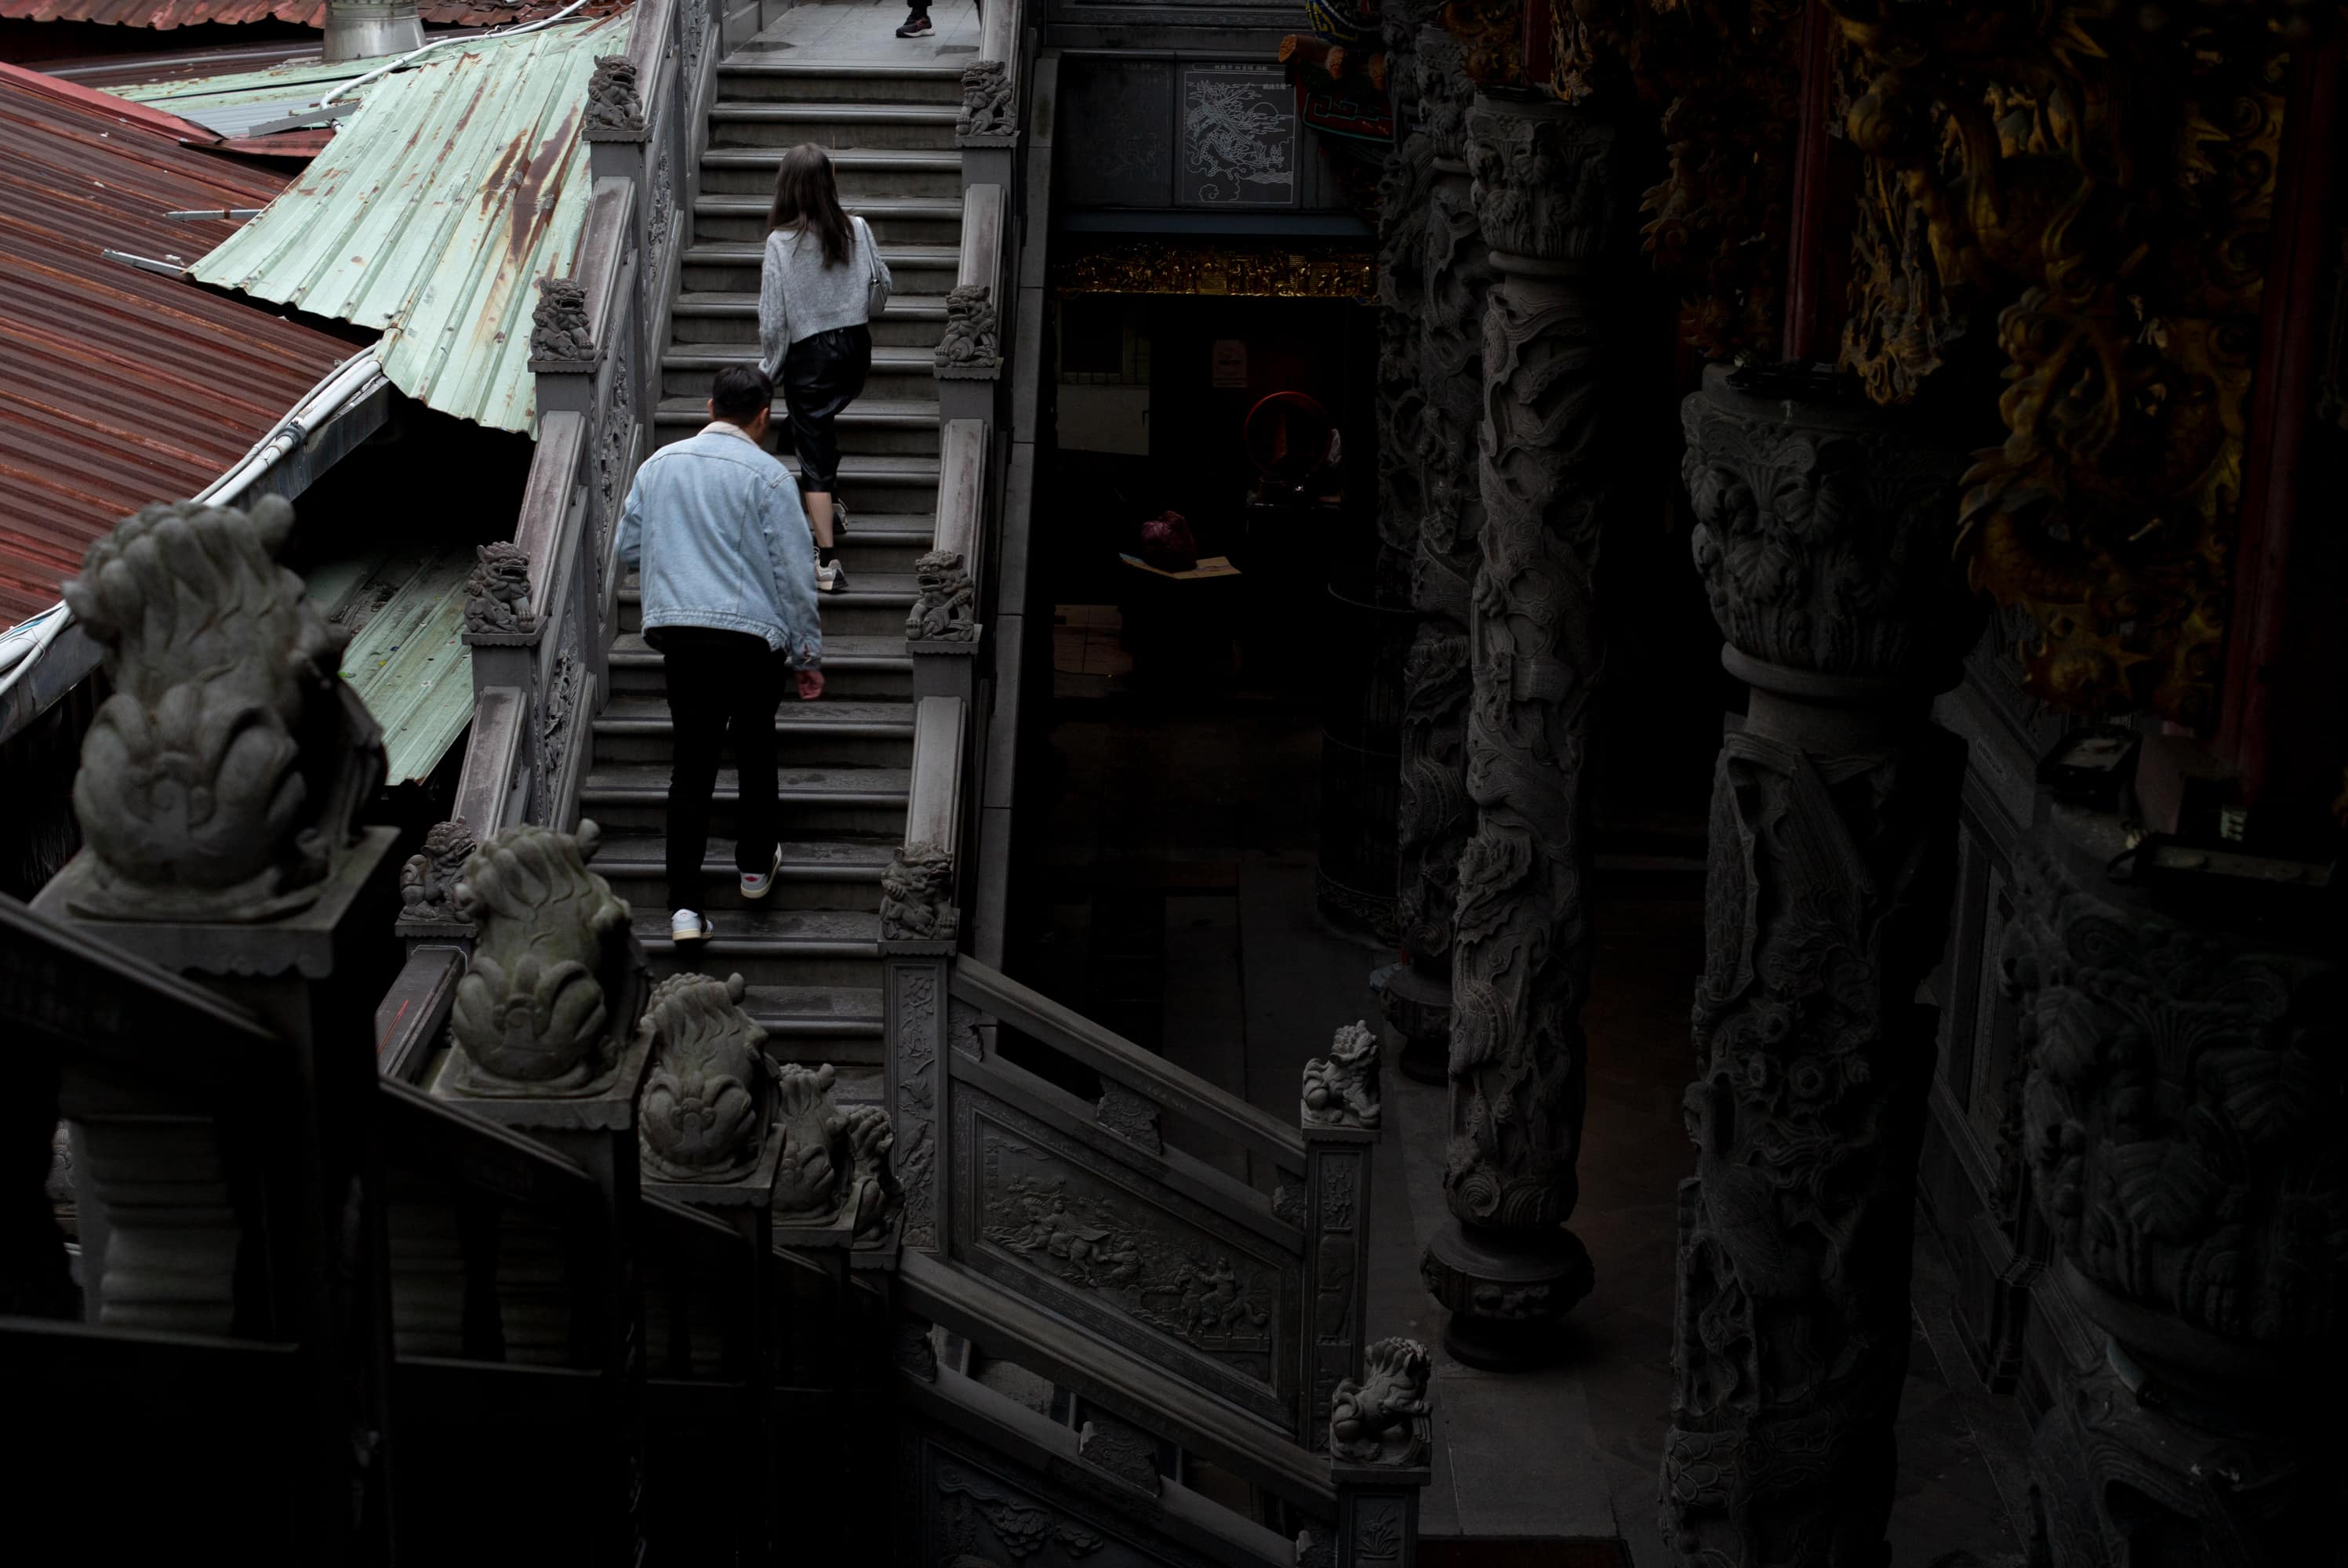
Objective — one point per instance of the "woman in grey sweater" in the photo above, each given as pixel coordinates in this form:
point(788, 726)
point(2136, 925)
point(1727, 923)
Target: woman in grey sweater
point(822, 281)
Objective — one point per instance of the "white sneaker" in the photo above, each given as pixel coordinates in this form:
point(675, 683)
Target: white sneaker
point(688, 925)
point(756, 885)
point(832, 578)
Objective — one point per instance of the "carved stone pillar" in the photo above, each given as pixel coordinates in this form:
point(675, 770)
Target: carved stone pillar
point(2181, 1123)
point(1506, 1266)
point(1824, 538)
point(1455, 273)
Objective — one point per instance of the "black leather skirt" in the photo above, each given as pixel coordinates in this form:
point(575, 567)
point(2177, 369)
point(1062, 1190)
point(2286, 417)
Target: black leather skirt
point(822, 374)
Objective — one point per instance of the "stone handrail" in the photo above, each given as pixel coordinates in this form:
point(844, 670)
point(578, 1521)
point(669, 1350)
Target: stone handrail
point(1118, 1059)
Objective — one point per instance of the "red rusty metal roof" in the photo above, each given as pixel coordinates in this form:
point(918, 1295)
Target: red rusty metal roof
point(310, 13)
point(119, 386)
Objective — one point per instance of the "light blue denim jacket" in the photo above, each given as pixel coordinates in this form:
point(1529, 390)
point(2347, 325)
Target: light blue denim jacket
point(715, 525)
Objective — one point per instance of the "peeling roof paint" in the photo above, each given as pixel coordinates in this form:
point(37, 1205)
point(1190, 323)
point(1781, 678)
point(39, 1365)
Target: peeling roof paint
point(431, 212)
point(119, 387)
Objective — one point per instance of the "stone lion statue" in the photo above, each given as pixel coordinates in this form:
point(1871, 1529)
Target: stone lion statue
point(550, 960)
point(427, 883)
point(1341, 1089)
point(697, 1119)
point(917, 895)
point(942, 600)
point(1382, 1420)
point(230, 765)
point(874, 1197)
point(813, 1181)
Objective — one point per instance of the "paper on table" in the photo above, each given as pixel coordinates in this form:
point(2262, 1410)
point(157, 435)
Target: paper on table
point(1209, 565)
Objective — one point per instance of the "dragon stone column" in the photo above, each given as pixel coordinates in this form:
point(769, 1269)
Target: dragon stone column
point(1454, 274)
point(1824, 537)
point(1505, 1265)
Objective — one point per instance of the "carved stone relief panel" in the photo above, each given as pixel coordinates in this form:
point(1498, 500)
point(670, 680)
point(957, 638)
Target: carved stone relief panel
point(1239, 141)
point(1143, 1266)
point(979, 1508)
point(915, 1112)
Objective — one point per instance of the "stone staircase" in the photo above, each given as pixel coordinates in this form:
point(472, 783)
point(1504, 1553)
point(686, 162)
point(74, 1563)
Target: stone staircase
point(810, 949)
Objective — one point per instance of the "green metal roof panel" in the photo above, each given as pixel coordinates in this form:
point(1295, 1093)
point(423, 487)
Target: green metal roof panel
point(299, 83)
point(409, 662)
point(457, 184)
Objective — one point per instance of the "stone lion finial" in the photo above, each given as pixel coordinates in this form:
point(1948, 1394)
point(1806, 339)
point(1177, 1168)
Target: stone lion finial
point(917, 896)
point(697, 1119)
point(427, 883)
point(229, 766)
point(874, 1198)
point(970, 337)
point(1382, 1419)
point(813, 1181)
point(613, 103)
point(534, 1008)
point(1341, 1089)
point(557, 324)
point(986, 100)
point(497, 596)
point(942, 600)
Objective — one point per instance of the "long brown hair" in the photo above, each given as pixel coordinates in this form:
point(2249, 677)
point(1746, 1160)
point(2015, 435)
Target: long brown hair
point(807, 198)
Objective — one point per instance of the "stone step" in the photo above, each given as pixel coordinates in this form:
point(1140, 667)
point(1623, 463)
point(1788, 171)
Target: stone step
point(749, 74)
point(893, 219)
point(899, 375)
point(865, 127)
point(732, 268)
point(800, 948)
point(824, 874)
point(862, 172)
point(817, 802)
point(874, 604)
point(912, 321)
point(845, 731)
point(867, 427)
point(877, 545)
point(853, 667)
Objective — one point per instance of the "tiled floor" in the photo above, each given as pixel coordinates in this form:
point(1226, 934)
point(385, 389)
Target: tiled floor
point(862, 32)
point(1174, 901)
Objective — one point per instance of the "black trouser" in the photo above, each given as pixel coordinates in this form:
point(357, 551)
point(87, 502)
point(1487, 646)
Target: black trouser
point(721, 684)
point(822, 374)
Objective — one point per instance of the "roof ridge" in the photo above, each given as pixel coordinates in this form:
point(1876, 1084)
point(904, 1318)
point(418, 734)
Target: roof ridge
point(159, 121)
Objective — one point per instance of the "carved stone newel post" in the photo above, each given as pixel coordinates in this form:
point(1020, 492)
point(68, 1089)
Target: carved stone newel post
point(1824, 537)
point(1506, 1266)
point(219, 795)
point(1381, 1441)
point(1454, 274)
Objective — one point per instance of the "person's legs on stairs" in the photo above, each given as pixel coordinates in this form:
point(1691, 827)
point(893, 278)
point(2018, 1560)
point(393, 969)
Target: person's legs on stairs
point(755, 693)
point(699, 686)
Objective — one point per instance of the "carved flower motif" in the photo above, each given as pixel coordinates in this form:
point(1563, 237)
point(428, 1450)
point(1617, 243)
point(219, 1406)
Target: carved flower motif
point(1810, 1077)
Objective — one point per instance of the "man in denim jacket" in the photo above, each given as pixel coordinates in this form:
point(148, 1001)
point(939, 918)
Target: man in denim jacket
point(729, 602)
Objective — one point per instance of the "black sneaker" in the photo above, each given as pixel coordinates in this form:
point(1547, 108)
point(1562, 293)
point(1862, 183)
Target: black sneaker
point(916, 27)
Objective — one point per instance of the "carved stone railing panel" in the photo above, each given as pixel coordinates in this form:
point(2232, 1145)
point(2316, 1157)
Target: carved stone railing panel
point(1070, 1217)
point(984, 1481)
